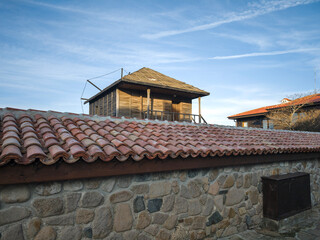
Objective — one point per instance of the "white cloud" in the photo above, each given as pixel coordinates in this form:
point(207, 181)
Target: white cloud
point(257, 9)
point(257, 54)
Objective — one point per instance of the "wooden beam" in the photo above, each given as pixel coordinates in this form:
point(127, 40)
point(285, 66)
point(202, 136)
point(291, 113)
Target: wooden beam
point(38, 172)
point(141, 106)
point(148, 102)
point(94, 85)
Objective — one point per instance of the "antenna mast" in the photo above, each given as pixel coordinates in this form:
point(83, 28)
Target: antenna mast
point(315, 81)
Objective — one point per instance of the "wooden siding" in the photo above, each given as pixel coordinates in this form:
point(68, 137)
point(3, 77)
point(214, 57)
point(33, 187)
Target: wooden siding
point(131, 103)
point(104, 106)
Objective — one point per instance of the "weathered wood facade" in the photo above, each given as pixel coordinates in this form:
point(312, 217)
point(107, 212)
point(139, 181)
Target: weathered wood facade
point(130, 98)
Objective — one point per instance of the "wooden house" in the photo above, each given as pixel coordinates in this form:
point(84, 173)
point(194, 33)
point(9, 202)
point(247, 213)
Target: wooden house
point(147, 94)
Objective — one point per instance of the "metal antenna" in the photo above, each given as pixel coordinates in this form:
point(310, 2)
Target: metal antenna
point(315, 81)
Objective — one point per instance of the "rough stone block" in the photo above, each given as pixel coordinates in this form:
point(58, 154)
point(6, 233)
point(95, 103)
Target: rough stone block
point(108, 184)
point(70, 233)
point(171, 222)
point(159, 218)
point(194, 207)
point(72, 185)
point(138, 204)
point(247, 180)
point(218, 202)
point(87, 232)
point(185, 192)
point(229, 182)
point(123, 218)
point(61, 220)
point(84, 216)
point(175, 187)
point(154, 205)
point(181, 205)
point(33, 227)
point(124, 181)
point(46, 207)
point(159, 189)
point(15, 194)
point(140, 189)
point(234, 196)
point(152, 230)
point(214, 218)
point(144, 220)
point(131, 235)
point(102, 223)
point(254, 196)
point(168, 203)
point(71, 201)
point(13, 214)
point(46, 233)
point(121, 196)
point(194, 188)
point(208, 207)
point(92, 183)
point(91, 199)
point(214, 188)
point(13, 233)
point(46, 189)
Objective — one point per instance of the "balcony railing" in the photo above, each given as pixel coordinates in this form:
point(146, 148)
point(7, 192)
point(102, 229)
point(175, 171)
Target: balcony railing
point(173, 116)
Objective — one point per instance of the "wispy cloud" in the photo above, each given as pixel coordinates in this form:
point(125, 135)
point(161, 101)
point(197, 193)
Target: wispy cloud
point(258, 54)
point(257, 9)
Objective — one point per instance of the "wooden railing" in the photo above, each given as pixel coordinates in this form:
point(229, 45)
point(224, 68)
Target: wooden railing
point(173, 116)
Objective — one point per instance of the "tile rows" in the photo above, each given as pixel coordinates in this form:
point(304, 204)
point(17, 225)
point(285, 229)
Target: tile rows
point(35, 137)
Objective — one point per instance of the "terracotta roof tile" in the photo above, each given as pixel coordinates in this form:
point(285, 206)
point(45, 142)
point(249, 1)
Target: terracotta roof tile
point(310, 99)
point(25, 138)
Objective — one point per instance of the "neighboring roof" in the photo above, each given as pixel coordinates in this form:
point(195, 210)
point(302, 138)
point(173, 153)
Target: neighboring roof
point(47, 137)
point(310, 99)
point(149, 77)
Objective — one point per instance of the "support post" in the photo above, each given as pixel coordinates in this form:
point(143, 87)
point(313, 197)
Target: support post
point(117, 102)
point(141, 107)
point(199, 100)
point(148, 102)
point(121, 73)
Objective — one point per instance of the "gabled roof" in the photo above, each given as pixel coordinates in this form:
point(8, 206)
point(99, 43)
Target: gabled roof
point(148, 77)
point(310, 99)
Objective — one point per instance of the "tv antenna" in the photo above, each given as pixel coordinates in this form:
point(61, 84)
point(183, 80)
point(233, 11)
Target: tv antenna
point(89, 81)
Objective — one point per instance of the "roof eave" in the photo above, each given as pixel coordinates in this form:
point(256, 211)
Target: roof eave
point(200, 93)
point(247, 116)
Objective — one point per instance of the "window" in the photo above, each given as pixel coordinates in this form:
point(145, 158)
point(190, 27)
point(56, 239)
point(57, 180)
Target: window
point(244, 124)
point(265, 123)
point(270, 124)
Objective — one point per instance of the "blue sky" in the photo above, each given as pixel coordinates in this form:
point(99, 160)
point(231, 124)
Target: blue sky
point(247, 54)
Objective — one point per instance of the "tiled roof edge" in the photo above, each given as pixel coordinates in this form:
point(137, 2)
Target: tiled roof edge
point(48, 113)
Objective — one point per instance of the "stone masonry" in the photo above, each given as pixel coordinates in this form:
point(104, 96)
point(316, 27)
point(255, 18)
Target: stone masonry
point(195, 204)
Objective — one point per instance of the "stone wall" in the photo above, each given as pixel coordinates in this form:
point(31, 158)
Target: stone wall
point(197, 204)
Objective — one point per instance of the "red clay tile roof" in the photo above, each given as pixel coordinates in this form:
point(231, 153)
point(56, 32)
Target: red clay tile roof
point(29, 136)
point(310, 99)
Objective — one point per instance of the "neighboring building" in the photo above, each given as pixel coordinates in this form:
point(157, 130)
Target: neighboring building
point(147, 94)
point(258, 118)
